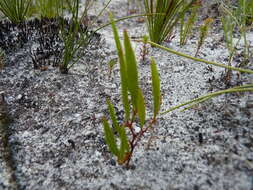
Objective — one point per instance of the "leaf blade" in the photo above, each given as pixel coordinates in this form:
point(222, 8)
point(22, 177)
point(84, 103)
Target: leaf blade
point(109, 138)
point(124, 146)
point(123, 70)
point(155, 87)
point(132, 73)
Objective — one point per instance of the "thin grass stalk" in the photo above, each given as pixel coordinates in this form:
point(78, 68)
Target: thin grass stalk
point(198, 59)
point(247, 88)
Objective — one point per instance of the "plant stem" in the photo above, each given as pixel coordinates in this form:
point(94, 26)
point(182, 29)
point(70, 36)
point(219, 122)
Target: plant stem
point(198, 59)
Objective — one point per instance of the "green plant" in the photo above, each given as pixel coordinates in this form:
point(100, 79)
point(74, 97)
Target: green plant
point(163, 16)
point(134, 108)
point(244, 11)
point(75, 35)
point(186, 27)
point(203, 33)
point(235, 20)
point(15, 10)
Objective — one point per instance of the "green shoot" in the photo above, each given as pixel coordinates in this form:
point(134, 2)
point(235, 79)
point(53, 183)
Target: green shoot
point(134, 108)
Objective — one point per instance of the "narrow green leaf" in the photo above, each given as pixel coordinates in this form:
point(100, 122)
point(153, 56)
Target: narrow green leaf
point(132, 73)
point(155, 87)
point(124, 146)
point(109, 138)
point(141, 108)
point(123, 71)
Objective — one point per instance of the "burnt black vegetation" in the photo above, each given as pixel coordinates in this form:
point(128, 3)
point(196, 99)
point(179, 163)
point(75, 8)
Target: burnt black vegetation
point(40, 39)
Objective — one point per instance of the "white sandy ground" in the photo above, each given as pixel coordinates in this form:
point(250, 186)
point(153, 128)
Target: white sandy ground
point(52, 108)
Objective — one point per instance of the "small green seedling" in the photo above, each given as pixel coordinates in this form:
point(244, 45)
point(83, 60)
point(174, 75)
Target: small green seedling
point(203, 33)
point(135, 122)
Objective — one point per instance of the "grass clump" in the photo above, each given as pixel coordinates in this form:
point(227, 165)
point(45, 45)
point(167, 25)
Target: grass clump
point(15, 10)
point(164, 15)
point(76, 35)
point(134, 108)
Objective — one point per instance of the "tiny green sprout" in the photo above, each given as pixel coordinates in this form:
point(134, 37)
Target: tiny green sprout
point(135, 120)
point(203, 33)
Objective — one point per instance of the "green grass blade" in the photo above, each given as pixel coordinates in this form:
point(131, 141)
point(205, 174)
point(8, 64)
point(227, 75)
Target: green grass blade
point(198, 59)
point(245, 88)
point(123, 71)
point(124, 147)
point(109, 138)
point(132, 73)
point(155, 87)
point(141, 108)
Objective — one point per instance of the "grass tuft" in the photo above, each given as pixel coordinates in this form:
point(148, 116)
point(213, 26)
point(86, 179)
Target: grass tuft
point(164, 15)
point(15, 10)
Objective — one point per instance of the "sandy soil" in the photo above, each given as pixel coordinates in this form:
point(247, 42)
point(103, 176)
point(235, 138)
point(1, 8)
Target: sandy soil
point(56, 137)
